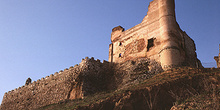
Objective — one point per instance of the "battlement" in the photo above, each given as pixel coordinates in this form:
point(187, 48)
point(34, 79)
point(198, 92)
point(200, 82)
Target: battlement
point(61, 73)
point(156, 43)
point(65, 84)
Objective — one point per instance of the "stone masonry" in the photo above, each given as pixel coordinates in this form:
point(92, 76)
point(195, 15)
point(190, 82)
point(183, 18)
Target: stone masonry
point(154, 45)
point(73, 83)
point(217, 58)
point(157, 37)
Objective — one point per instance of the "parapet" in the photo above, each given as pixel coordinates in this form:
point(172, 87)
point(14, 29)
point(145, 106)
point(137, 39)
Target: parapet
point(55, 87)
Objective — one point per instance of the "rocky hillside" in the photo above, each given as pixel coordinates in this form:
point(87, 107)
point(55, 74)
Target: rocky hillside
point(179, 88)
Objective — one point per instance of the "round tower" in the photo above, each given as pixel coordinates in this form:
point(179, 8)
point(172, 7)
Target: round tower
point(170, 55)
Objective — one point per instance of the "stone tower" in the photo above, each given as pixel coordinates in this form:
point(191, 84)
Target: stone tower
point(217, 58)
point(157, 37)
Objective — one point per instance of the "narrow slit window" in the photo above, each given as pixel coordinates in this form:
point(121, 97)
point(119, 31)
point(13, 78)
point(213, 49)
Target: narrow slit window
point(150, 43)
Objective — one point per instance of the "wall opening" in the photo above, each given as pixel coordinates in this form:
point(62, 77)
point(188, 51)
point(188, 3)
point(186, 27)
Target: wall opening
point(150, 43)
point(120, 44)
point(120, 55)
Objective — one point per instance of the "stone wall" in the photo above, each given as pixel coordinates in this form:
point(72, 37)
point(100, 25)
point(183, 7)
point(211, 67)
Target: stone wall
point(75, 82)
point(157, 37)
point(42, 92)
point(133, 72)
point(217, 58)
point(140, 52)
point(89, 77)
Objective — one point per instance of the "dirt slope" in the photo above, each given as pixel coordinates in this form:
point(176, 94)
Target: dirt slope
point(179, 88)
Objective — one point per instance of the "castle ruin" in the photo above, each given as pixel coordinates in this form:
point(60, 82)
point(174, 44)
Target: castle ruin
point(158, 38)
point(72, 83)
point(217, 58)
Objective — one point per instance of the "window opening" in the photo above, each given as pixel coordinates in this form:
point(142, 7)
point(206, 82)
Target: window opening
point(120, 44)
point(120, 55)
point(150, 43)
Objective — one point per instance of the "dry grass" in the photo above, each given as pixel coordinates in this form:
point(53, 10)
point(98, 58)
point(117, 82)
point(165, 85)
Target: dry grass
point(167, 76)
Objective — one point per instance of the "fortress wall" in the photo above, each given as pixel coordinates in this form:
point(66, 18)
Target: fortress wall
point(97, 77)
point(67, 84)
point(158, 37)
point(42, 92)
point(190, 50)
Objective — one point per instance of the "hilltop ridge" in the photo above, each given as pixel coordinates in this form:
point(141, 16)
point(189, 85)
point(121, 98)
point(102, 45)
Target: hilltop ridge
point(145, 53)
point(178, 88)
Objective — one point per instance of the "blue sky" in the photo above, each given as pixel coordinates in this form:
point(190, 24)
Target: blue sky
point(41, 37)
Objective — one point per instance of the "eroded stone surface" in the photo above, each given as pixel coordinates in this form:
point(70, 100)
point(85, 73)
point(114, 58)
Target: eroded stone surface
point(157, 37)
point(217, 58)
point(155, 44)
point(73, 83)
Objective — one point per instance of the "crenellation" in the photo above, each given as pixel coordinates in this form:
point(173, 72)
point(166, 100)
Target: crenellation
point(158, 38)
point(87, 58)
point(34, 82)
point(98, 60)
point(92, 58)
point(47, 77)
point(51, 76)
point(56, 73)
point(38, 81)
point(71, 67)
point(42, 79)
